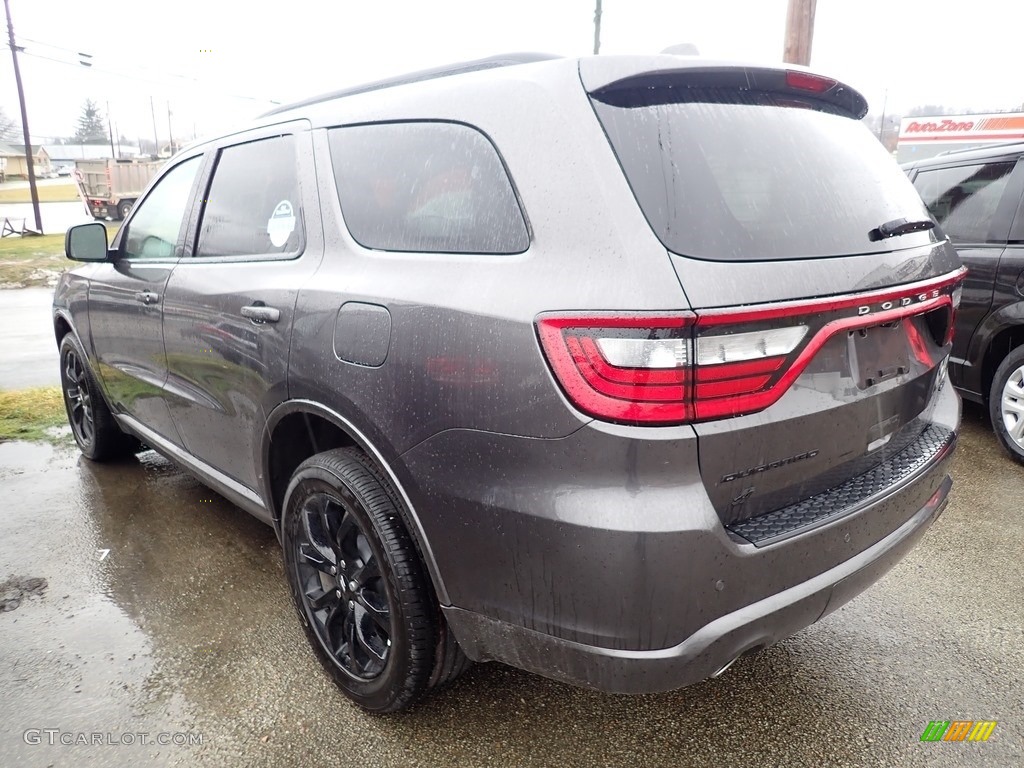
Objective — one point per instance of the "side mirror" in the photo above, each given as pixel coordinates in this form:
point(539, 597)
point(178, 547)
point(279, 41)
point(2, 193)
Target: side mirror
point(86, 242)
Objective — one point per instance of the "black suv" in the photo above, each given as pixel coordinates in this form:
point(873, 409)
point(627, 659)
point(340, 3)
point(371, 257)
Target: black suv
point(612, 369)
point(977, 198)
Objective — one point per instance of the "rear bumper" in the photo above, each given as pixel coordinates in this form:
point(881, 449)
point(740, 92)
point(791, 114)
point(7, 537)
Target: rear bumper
point(710, 648)
point(599, 559)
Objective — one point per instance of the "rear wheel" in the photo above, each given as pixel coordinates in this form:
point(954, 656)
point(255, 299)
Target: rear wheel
point(124, 208)
point(358, 584)
point(1006, 404)
point(92, 424)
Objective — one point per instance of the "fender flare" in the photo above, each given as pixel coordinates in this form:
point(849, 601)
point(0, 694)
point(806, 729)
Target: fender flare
point(408, 510)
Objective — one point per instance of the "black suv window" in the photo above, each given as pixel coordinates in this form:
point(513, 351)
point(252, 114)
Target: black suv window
point(153, 231)
point(252, 206)
point(427, 187)
point(735, 175)
point(964, 199)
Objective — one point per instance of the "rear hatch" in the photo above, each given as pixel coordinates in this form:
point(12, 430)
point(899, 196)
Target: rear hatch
point(822, 294)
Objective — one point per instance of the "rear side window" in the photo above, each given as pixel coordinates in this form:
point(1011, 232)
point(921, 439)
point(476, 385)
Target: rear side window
point(426, 187)
point(964, 199)
point(252, 207)
point(733, 175)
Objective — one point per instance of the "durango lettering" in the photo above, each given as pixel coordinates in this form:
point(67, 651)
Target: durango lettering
point(944, 126)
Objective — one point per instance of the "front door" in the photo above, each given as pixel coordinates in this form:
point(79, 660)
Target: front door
point(229, 308)
point(126, 299)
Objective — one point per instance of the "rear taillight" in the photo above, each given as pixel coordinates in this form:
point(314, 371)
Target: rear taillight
point(674, 368)
point(631, 368)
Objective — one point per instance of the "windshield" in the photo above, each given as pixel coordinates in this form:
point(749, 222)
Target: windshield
point(746, 176)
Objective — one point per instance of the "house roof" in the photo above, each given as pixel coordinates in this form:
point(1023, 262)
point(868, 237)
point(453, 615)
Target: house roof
point(67, 152)
point(11, 150)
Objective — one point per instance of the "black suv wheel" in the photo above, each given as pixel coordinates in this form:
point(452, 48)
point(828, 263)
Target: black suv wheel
point(357, 581)
point(1006, 404)
point(92, 423)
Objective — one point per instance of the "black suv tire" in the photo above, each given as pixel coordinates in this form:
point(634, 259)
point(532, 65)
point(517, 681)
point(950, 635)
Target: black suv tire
point(92, 424)
point(358, 582)
point(1006, 393)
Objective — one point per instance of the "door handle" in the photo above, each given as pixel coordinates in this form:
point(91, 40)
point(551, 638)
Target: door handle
point(260, 313)
point(147, 297)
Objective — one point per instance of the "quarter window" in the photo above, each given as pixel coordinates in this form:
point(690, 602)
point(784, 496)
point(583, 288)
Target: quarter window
point(153, 231)
point(426, 187)
point(964, 199)
point(252, 207)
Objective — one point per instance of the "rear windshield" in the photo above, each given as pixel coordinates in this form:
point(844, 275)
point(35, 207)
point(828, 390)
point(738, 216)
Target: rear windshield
point(747, 176)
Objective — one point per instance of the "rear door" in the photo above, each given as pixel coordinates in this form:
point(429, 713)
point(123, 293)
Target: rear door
point(974, 203)
point(231, 299)
point(126, 299)
point(821, 321)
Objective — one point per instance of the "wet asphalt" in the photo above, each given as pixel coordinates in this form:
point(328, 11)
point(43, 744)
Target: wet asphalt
point(165, 612)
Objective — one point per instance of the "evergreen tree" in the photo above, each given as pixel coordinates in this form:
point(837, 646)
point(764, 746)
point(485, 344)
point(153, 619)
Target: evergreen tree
point(91, 127)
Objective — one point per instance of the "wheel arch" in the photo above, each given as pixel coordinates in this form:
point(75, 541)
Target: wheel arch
point(298, 429)
point(999, 346)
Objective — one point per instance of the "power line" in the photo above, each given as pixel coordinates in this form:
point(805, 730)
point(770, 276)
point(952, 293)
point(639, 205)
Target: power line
point(92, 67)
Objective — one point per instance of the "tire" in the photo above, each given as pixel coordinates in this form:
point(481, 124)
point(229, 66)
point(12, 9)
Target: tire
point(1006, 404)
point(92, 424)
point(449, 662)
point(358, 583)
point(124, 208)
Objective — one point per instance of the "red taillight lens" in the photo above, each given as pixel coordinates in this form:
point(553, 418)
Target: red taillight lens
point(629, 368)
point(660, 369)
point(805, 81)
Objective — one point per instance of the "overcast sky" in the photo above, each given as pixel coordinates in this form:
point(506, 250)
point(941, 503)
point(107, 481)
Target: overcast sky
point(218, 63)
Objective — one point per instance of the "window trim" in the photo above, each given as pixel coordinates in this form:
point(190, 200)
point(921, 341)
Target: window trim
point(191, 255)
point(999, 229)
point(181, 244)
point(327, 129)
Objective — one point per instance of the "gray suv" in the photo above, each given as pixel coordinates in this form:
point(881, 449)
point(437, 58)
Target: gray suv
point(612, 369)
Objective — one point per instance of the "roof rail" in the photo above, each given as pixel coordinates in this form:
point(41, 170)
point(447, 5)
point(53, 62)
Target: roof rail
point(977, 147)
point(493, 62)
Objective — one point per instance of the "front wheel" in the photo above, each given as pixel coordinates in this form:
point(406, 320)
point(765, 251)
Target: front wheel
point(357, 581)
point(1006, 404)
point(92, 424)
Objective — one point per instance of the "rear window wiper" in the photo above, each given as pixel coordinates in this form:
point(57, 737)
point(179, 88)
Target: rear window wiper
point(898, 227)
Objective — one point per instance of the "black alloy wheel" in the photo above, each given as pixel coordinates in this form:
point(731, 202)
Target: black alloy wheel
point(358, 582)
point(92, 424)
point(342, 587)
point(77, 399)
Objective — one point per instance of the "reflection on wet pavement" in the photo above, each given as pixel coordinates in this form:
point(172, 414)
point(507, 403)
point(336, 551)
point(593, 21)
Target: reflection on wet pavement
point(166, 611)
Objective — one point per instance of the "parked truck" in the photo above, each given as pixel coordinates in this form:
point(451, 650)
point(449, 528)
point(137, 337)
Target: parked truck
point(109, 188)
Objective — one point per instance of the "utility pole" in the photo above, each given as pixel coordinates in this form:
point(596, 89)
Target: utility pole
point(156, 139)
point(799, 32)
point(24, 123)
point(597, 28)
point(110, 130)
point(170, 131)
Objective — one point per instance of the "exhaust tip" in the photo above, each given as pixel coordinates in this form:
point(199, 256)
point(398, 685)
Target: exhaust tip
point(722, 670)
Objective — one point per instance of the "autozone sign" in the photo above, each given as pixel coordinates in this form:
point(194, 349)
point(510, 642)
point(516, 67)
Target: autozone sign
point(1006, 126)
point(946, 125)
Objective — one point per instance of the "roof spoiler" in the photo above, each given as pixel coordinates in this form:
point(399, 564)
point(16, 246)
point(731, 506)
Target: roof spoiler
point(665, 86)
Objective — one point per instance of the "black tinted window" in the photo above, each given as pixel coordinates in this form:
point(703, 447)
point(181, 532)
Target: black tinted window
point(252, 206)
point(749, 176)
point(426, 187)
point(964, 199)
point(153, 230)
